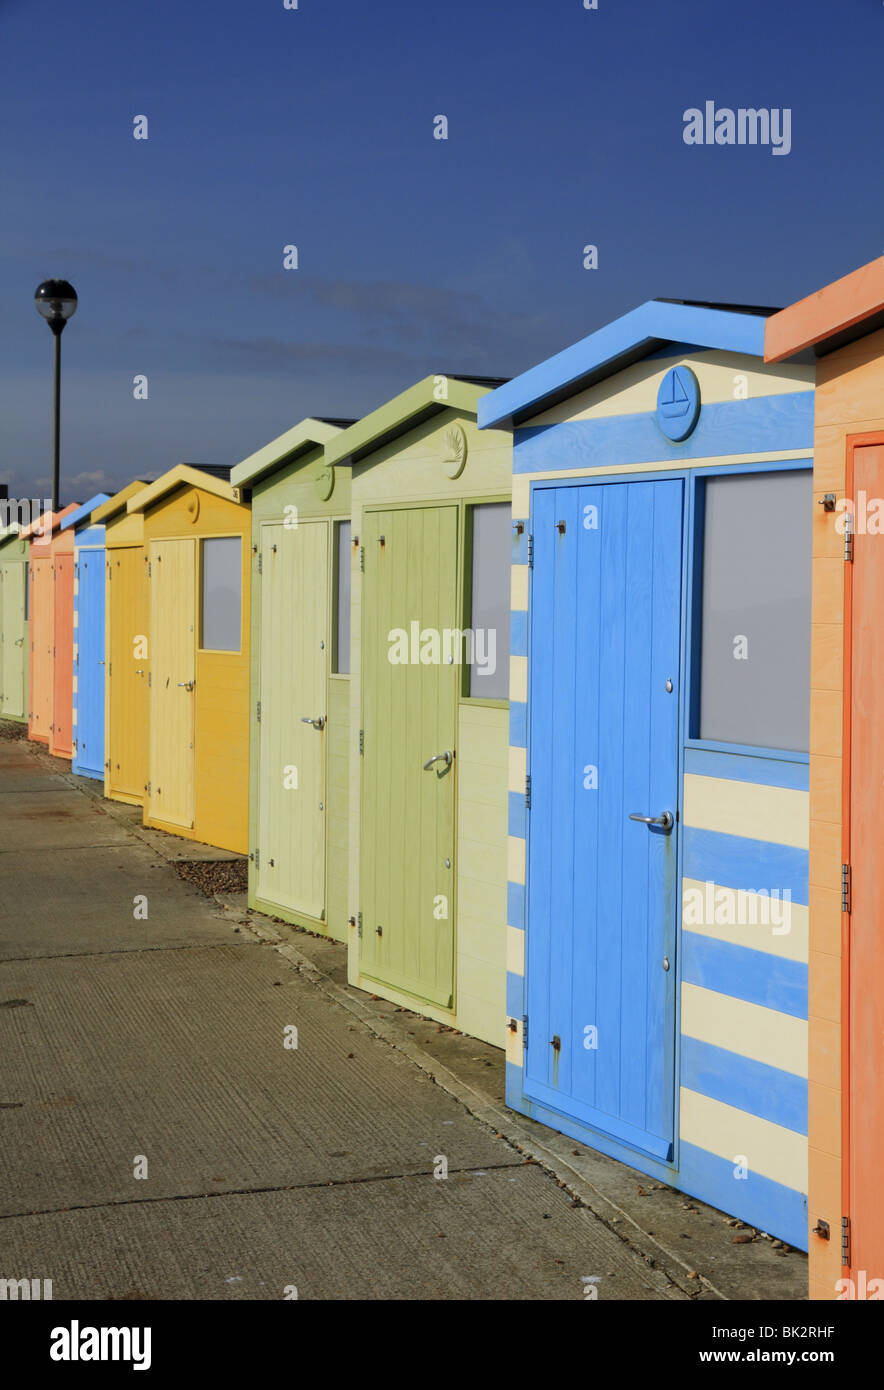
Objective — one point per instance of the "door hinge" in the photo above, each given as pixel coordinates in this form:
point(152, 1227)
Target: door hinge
point(359, 924)
point(524, 1030)
point(147, 789)
point(845, 887)
point(149, 569)
point(362, 558)
point(848, 536)
point(530, 539)
point(258, 711)
point(260, 562)
point(149, 680)
point(845, 1240)
point(528, 791)
point(361, 740)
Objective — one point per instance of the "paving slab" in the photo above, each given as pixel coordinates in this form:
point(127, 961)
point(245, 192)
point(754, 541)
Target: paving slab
point(482, 1236)
point(82, 901)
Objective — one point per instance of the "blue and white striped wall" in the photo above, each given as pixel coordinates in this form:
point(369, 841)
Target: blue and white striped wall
point(742, 1036)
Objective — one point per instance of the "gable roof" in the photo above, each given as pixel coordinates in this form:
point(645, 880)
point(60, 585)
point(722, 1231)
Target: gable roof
point(405, 411)
point(653, 325)
point(182, 475)
point(311, 433)
point(839, 313)
point(47, 523)
point(84, 512)
point(116, 504)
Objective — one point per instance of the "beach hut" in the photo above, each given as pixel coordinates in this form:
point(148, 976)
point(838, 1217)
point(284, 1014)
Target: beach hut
point(430, 549)
point(658, 853)
point(61, 556)
point(87, 704)
point(125, 707)
point(13, 624)
point(196, 537)
point(41, 629)
point(300, 681)
point(841, 327)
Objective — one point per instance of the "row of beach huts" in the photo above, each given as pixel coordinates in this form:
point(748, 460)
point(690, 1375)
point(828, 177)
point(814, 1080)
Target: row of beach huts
point(560, 700)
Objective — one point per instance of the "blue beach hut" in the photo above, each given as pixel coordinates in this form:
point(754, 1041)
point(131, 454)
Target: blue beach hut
point(89, 635)
point(659, 734)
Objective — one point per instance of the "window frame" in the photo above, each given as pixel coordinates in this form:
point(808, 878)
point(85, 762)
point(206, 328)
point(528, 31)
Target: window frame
point(200, 573)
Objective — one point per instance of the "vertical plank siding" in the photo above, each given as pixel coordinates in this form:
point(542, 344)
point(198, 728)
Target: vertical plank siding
point(14, 640)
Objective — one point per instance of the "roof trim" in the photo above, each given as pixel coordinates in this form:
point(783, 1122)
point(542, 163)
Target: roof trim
point(310, 433)
point(84, 512)
point(182, 475)
point(616, 345)
point(839, 313)
point(116, 504)
point(405, 411)
point(38, 529)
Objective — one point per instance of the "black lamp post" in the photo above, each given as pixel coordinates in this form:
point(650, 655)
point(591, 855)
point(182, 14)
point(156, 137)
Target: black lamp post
point(56, 300)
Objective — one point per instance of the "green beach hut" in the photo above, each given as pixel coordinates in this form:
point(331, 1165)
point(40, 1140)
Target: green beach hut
point(300, 678)
point(13, 625)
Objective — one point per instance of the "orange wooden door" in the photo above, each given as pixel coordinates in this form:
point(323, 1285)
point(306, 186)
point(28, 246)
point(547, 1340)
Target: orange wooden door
point(864, 1034)
point(63, 658)
point(40, 633)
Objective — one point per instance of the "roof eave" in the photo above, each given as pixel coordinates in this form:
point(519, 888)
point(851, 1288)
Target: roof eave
point(401, 414)
point(180, 476)
point(309, 434)
point(616, 345)
point(837, 314)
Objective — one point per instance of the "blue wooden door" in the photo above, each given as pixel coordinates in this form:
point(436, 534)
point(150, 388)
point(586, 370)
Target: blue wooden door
point(603, 746)
point(89, 753)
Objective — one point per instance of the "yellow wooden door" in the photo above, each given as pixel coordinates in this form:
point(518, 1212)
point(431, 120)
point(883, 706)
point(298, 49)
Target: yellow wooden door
point(172, 680)
point(293, 729)
point(127, 657)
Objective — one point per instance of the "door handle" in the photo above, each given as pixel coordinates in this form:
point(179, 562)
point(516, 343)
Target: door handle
point(139, 671)
point(445, 758)
point(666, 820)
point(317, 723)
point(186, 685)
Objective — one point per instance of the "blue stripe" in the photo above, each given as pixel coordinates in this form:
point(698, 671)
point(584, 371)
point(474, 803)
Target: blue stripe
point(737, 862)
point(518, 724)
point(518, 633)
point(515, 994)
point(769, 1206)
point(756, 426)
point(515, 905)
point(739, 767)
point(768, 1092)
point(743, 973)
point(517, 815)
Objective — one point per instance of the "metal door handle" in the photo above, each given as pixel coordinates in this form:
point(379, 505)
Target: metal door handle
point(19, 641)
point(186, 685)
point(139, 671)
point(445, 758)
point(666, 819)
point(317, 723)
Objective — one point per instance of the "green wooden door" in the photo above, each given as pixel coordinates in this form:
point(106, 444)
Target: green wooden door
point(293, 731)
point(407, 871)
point(12, 654)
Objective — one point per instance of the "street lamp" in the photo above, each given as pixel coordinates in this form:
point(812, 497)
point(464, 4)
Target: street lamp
point(56, 301)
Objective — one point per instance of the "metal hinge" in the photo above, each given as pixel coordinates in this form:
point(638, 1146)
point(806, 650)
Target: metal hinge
point(530, 539)
point(528, 791)
point(258, 711)
point(362, 558)
point(845, 1240)
point(845, 887)
point(359, 924)
point(524, 1030)
point(149, 569)
point(149, 680)
point(362, 740)
point(848, 537)
point(260, 562)
point(147, 789)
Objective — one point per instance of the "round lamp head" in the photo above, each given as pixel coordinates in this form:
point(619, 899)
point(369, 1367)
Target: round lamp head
point(56, 300)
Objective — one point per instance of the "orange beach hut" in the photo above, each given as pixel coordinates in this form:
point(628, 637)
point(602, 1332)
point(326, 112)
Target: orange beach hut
point(41, 660)
point(842, 327)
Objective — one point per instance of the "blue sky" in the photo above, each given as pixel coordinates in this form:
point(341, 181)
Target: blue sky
point(314, 127)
